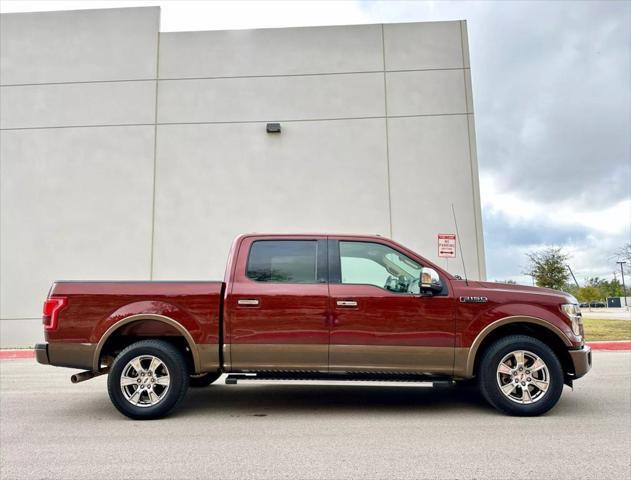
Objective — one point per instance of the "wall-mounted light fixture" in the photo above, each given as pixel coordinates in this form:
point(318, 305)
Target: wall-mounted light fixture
point(273, 128)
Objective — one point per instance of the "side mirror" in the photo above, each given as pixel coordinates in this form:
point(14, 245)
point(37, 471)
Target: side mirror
point(430, 281)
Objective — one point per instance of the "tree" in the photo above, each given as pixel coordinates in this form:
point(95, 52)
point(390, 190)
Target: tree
point(614, 288)
point(624, 254)
point(572, 289)
point(548, 268)
point(600, 284)
point(607, 288)
point(589, 294)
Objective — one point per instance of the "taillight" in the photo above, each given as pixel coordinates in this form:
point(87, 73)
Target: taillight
point(52, 307)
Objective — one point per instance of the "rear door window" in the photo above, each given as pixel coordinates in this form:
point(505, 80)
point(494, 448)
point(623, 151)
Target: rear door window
point(283, 261)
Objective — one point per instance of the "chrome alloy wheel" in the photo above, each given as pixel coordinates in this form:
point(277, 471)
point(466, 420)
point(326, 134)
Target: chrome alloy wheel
point(145, 381)
point(523, 377)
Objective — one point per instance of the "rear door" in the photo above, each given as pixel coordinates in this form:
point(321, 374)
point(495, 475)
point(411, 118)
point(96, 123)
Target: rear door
point(380, 322)
point(277, 308)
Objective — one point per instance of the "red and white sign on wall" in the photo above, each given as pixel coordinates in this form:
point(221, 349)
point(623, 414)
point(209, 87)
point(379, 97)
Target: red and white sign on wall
point(447, 245)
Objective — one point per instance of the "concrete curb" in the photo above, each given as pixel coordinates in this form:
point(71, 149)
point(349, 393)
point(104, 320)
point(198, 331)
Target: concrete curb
point(616, 345)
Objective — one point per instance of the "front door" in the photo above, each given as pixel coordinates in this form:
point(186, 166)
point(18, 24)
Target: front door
point(277, 310)
point(380, 322)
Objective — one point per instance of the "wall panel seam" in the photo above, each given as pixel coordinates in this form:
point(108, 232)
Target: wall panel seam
point(11, 319)
point(55, 84)
point(105, 125)
point(155, 156)
point(385, 106)
point(219, 77)
point(230, 122)
point(319, 74)
point(322, 119)
point(77, 82)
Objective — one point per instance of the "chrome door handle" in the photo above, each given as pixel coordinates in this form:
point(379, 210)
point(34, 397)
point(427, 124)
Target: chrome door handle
point(346, 303)
point(248, 302)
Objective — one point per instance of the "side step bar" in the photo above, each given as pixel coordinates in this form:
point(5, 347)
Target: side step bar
point(337, 379)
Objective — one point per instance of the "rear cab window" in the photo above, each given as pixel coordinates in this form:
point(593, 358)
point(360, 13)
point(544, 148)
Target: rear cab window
point(283, 261)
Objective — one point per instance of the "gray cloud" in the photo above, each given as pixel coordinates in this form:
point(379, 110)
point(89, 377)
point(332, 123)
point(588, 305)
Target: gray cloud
point(554, 102)
point(501, 231)
point(508, 241)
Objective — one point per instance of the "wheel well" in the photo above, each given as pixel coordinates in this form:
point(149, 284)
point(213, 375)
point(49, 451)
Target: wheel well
point(144, 329)
point(539, 332)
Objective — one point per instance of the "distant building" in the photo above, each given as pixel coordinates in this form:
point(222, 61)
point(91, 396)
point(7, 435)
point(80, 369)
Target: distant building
point(618, 302)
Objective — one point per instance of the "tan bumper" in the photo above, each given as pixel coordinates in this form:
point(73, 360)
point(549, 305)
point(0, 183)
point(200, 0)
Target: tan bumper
point(59, 354)
point(41, 353)
point(582, 360)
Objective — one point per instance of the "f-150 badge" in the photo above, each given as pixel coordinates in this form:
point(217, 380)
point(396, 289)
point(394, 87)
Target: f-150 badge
point(474, 299)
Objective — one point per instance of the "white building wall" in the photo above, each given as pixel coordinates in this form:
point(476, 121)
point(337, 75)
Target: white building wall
point(111, 171)
point(77, 113)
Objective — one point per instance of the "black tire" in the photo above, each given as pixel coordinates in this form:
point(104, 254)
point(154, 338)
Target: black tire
point(174, 361)
point(488, 376)
point(203, 380)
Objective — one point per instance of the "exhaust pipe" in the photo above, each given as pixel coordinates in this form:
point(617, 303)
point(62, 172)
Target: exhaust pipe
point(87, 375)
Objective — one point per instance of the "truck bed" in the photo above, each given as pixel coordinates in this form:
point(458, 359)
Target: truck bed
point(94, 306)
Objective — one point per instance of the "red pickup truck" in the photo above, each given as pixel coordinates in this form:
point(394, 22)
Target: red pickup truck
point(316, 307)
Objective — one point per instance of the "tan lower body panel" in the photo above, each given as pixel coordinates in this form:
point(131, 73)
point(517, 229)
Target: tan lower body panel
point(343, 358)
point(208, 357)
point(391, 359)
point(461, 367)
point(73, 355)
point(280, 357)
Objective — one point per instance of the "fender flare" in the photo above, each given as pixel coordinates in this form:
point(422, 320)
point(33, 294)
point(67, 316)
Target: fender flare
point(146, 316)
point(473, 349)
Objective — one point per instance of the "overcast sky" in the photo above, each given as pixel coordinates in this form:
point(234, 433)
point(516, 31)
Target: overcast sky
point(552, 95)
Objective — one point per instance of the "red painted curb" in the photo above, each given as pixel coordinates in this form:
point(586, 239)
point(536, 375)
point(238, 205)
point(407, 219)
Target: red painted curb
point(10, 354)
point(619, 345)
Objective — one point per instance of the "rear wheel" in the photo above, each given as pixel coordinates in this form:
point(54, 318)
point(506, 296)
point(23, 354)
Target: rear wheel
point(203, 379)
point(148, 379)
point(520, 375)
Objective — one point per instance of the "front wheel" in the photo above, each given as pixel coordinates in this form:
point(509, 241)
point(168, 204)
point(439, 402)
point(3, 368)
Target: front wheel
point(148, 379)
point(521, 375)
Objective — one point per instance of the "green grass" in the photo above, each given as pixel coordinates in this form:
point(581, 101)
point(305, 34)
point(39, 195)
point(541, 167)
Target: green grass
point(603, 329)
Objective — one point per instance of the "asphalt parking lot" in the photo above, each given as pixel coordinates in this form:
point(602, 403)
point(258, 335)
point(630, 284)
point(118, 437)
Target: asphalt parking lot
point(50, 428)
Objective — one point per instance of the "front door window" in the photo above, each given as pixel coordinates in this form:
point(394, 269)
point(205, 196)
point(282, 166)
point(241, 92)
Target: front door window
point(370, 263)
